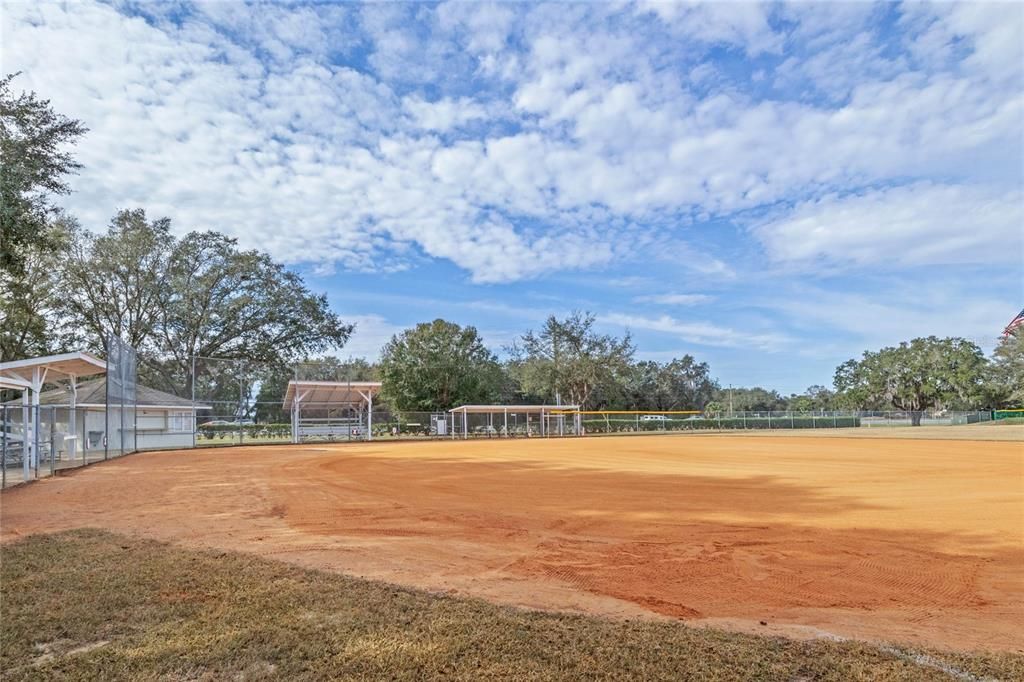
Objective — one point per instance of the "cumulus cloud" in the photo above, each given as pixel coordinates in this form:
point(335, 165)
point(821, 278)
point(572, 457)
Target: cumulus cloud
point(920, 224)
point(698, 331)
point(674, 299)
point(515, 141)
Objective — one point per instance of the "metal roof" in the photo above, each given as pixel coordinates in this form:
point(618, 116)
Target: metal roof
point(79, 364)
point(14, 383)
point(522, 409)
point(329, 392)
point(94, 394)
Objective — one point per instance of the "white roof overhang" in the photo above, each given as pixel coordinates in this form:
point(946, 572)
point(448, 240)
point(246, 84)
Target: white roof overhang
point(77, 364)
point(330, 392)
point(514, 409)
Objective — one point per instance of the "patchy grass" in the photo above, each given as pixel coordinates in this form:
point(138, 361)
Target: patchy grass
point(89, 604)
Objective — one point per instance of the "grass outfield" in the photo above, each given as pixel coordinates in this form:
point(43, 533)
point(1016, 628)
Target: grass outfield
point(90, 604)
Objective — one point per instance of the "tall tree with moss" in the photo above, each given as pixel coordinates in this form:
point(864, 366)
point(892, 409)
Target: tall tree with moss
point(570, 360)
point(438, 365)
point(915, 376)
point(681, 384)
point(34, 141)
point(196, 297)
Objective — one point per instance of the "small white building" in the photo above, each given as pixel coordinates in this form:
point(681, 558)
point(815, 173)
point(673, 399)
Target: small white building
point(159, 420)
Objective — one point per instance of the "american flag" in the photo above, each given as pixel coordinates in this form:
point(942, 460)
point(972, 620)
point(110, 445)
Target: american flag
point(1014, 323)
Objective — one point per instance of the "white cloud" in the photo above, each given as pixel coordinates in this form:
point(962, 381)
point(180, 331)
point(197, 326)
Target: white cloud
point(515, 141)
point(675, 299)
point(919, 224)
point(445, 113)
point(907, 311)
point(699, 332)
point(369, 337)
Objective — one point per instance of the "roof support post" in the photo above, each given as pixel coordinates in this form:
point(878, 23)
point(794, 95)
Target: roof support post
point(25, 400)
point(505, 410)
point(368, 397)
point(73, 421)
point(37, 387)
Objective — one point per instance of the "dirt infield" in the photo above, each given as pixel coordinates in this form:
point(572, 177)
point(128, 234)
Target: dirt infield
point(920, 542)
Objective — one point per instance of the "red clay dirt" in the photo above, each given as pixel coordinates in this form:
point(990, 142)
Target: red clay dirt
point(919, 542)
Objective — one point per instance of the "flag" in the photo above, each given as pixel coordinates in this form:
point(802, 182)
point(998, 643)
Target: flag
point(1014, 323)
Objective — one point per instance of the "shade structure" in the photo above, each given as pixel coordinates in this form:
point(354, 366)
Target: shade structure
point(326, 398)
point(14, 383)
point(32, 374)
point(550, 420)
point(65, 365)
point(519, 409)
point(329, 392)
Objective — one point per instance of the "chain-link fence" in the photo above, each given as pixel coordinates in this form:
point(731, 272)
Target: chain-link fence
point(38, 440)
point(120, 402)
point(222, 402)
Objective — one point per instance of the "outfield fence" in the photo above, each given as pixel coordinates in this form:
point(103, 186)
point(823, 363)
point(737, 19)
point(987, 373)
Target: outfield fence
point(40, 441)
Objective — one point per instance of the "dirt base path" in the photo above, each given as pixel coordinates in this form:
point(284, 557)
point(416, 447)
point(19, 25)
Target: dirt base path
point(920, 542)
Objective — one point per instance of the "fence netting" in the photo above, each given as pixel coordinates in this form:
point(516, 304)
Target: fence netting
point(120, 404)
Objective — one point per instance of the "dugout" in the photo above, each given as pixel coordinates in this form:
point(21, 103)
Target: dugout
point(516, 420)
point(331, 410)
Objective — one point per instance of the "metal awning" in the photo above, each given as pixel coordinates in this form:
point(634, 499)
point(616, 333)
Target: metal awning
point(330, 392)
point(514, 409)
point(77, 364)
point(15, 383)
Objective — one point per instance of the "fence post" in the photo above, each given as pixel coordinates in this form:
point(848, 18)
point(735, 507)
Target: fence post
point(3, 446)
point(53, 438)
point(769, 420)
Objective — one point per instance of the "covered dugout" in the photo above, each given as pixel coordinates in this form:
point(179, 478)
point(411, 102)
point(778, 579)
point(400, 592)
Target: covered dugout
point(30, 376)
point(516, 420)
point(331, 410)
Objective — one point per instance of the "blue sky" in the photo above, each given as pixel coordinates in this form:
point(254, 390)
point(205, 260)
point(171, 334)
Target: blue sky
point(772, 188)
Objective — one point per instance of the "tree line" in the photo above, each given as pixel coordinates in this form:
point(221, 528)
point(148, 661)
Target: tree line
point(181, 301)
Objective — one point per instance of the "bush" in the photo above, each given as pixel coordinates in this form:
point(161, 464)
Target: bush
point(251, 431)
point(620, 425)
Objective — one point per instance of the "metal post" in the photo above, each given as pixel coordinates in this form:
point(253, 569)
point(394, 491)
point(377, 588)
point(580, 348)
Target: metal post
point(37, 388)
point(36, 414)
point(73, 422)
point(25, 398)
point(192, 380)
point(241, 430)
point(505, 410)
point(53, 437)
point(369, 414)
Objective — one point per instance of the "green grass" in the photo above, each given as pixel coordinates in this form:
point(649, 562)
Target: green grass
point(89, 604)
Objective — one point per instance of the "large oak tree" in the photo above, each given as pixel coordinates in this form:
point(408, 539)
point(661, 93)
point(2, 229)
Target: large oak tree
point(437, 366)
point(914, 376)
point(197, 297)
